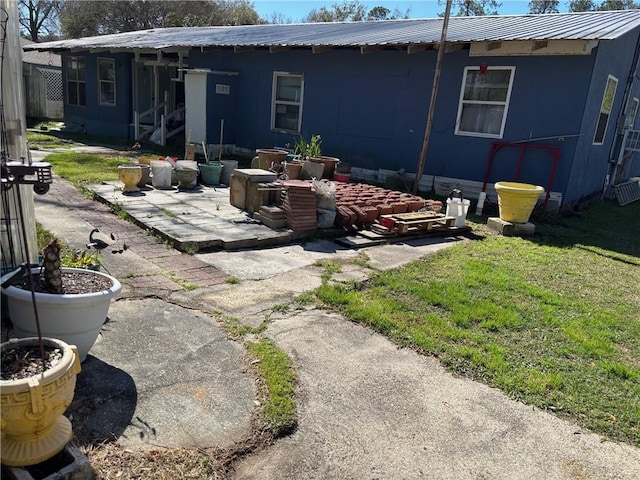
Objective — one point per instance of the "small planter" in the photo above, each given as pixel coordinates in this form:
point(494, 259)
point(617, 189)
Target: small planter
point(293, 170)
point(73, 318)
point(210, 173)
point(187, 178)
point(34, 428)
point(329, 164)
point(130, 176)
point(270, 157)
point(516, 201)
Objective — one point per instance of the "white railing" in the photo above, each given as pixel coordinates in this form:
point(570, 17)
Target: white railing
point(161, 118)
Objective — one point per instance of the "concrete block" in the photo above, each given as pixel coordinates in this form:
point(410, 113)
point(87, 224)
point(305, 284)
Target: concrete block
point(69, 464)
point(510, 229)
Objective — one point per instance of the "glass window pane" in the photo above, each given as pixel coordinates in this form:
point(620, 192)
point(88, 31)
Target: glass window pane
point(81, 68)
point(106, 70)
point(601, 128)
point(107, 93)
point(491, 86)
point(482, 119)
point(288, 89)
point(609, 93)
point(287, 117)
point(72, 93)
point(82, 94)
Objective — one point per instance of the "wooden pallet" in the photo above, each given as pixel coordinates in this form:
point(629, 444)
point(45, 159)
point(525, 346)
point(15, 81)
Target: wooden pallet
point(418, 221)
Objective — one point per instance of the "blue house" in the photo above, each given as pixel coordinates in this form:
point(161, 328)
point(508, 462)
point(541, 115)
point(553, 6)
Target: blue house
point(542, 99)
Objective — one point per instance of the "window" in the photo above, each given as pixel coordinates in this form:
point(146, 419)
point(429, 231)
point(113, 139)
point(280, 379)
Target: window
point(484, 101)
point(633, 112)
point(286, 113)
point(605, 109)
point(76, 86)
point(107, 81)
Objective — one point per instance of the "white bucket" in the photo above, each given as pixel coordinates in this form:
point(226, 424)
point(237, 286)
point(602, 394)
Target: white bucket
point(228, 166)
point(161, 174)
point(457, 208)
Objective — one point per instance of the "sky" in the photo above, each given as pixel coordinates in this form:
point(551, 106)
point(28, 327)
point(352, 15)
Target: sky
point(295, 10)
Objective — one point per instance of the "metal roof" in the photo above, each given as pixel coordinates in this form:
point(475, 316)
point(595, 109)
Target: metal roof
point(40, 58)
point(606, 25)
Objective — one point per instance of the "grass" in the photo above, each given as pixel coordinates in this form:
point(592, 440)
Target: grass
point(53, 139)
point(83, 169)
point(279, 379)
point(552, 320)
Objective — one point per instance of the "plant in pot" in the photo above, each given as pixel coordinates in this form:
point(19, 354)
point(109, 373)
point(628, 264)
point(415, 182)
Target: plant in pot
point(37, 382)
point(72, 302)
point(311, 151)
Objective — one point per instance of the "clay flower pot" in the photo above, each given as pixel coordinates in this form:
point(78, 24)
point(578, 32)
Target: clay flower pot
point(34, 428)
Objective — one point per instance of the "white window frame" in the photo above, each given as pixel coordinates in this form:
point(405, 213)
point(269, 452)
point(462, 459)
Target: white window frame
point(633, 113)
point(605, 110)
point(76, 81)
point(101, 81)
point(463, 102)
point(275, 103)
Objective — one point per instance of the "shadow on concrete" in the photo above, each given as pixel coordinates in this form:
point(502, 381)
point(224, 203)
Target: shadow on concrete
point(104, 402)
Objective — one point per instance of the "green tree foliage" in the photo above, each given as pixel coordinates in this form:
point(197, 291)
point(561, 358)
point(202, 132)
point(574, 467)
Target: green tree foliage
point(352, 11)
point(473, 8)
point(590, 5)
point(39, 19)
point(543, 6)
point(81, 18)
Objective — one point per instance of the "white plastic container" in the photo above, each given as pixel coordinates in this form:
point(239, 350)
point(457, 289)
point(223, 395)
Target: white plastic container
point(458, 208)
point(161, 174)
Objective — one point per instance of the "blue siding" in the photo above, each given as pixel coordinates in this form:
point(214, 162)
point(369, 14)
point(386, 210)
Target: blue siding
point(100, 119)
point(371, 109)
point(592, 161)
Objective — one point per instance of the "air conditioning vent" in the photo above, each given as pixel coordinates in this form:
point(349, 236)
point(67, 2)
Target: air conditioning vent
point(222, 89)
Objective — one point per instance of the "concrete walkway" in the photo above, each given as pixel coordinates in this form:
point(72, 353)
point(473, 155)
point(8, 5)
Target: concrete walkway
point(367, 409)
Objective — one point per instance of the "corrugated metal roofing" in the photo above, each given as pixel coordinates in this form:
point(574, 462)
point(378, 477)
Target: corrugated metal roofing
point(40, 58)
point(563, 26)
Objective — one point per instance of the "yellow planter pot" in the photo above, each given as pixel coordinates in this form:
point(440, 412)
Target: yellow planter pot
point(34, 428)
point(130, 176)
point(516, 200)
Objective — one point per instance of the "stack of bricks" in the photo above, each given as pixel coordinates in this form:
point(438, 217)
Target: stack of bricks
point(300, 205)
point(272, 216)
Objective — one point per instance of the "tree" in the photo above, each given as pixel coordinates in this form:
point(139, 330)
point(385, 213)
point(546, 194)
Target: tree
point(543, 6)
point(383, 13)
point(39, 19)
point(590, 5)
point(81, 18)
point(347, 11)
point(472, 8)
point(352, 11)
point(619, 5)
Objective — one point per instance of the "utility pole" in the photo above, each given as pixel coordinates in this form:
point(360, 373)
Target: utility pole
point(434, 94)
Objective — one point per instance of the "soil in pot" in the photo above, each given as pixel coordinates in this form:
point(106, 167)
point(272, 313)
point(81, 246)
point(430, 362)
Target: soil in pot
point(72, 283)
point(25, 361)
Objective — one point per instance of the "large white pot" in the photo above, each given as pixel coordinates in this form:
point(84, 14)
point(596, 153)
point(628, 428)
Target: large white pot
point(73, 318)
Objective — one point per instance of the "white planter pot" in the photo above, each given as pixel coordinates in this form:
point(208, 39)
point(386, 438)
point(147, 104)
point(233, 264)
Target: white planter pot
point(73, 318)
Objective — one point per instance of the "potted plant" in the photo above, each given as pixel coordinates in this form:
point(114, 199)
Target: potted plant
point(311, 150)
point(37, 385)
point(72, 302)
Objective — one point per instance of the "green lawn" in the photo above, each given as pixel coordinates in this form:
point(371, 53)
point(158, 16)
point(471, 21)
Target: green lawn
point(553, 320)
